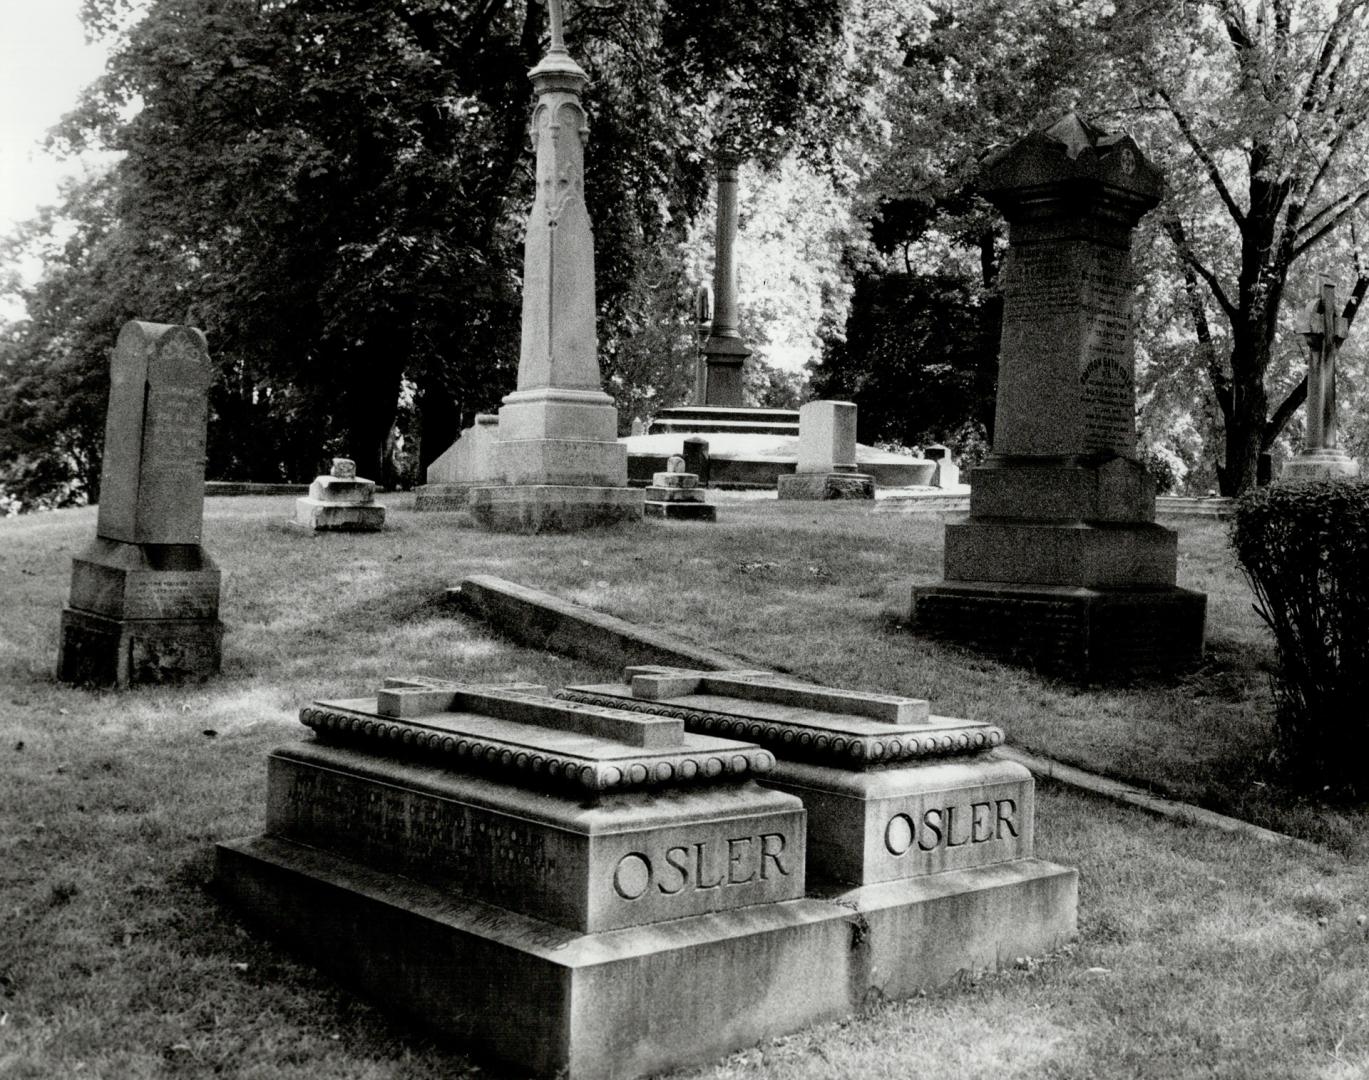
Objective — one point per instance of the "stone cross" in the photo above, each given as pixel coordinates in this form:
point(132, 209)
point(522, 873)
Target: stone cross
point(1323, 329)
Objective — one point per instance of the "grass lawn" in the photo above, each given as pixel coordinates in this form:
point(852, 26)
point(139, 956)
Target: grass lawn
point(1200, 953)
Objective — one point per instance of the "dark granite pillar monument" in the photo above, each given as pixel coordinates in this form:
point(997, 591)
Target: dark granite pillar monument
point(145, 596)
point(724, 351)
point(1060, 562)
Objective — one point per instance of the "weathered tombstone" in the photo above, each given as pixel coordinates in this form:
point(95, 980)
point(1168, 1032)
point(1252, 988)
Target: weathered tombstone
point(912, 822)
point(826, 467)
point(1061, 562)
point(696, 458)
point(947, 474)
point(560, 464)
point(575, 891)
point(1323, 328)
point(675, 495)
point(144, 603)
point(341, 502)
point(638, 426)
point(467, 463)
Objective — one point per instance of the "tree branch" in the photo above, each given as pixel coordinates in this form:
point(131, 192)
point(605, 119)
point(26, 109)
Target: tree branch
point(1201, 152)
point(1221, 383)
point(1175, 230)
point(1330, 226)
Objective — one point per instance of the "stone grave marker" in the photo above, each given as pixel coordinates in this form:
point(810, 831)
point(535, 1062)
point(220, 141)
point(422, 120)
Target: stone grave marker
point(947, 474)
point(341, 502)
point(558, 459)
point(144, 600)
point(911, 819)
point(467, 463)
point(826, 467)
point(676, 496)
point(1324, 329)
point(1060, 562)
point(467, 854)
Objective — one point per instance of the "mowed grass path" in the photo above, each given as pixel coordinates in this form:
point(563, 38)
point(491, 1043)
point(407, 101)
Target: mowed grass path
point(1200, 954)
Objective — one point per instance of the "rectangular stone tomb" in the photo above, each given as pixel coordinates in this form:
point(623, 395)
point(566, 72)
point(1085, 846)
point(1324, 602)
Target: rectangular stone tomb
point(460, 852)
point(901, 804)
point(891, 790)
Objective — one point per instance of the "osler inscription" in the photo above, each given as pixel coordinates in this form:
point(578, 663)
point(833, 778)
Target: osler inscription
point(705, 865)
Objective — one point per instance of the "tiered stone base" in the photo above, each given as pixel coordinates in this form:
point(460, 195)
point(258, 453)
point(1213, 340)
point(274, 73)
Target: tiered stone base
point(835, 485)
point(339, 517)
point(639, 1000)
point(442, 496)
point(104, 651)
point(1319, 465)
point(533, 508)
point(680, 511)
point(1077, 632)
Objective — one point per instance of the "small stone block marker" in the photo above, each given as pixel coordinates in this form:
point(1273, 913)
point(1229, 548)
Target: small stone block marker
point(341, 502)
point(899, 801)
point(1060, 563)
point(456, 851)
point(826, 466)
point(676, 495)
point(144, 603)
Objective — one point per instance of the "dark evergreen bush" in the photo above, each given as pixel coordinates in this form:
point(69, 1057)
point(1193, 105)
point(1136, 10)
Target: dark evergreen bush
point(1305, 551)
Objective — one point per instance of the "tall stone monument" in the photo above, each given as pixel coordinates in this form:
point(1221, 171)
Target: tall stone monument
point(144, 601)
point(560, 464)
point(1323, 328)
point(1060, 562)
point(724, 351)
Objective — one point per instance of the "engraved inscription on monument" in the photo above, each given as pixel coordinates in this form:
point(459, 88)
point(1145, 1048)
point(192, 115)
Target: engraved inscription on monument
point(1106, 379)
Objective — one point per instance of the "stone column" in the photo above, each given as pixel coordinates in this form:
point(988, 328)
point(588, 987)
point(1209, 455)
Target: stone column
point(1060, 562)
point(1324, 330)
point(724, 350)
point(558, 457)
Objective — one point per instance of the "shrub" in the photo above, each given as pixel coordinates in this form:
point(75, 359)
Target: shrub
point(1305, 551)
point(1160, 466)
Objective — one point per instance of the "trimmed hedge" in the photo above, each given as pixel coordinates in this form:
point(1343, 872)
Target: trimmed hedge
point(1304, 548)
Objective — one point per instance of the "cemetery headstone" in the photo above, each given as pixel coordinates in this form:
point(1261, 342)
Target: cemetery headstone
point(826, 467)
point(341, 502)
point(903, 806)
point(1060, 562)
point(468, 854)
point(144, 602)
point(1323, 328)
point(558, 458)
point(946, 474)
point(467, 463)
point(696, 458)
point(676, 496)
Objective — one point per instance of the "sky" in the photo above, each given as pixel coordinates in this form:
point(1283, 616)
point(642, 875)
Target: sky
point(44, 64)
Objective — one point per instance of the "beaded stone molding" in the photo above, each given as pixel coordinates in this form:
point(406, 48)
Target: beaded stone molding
point(803, 742)
point(717, 761)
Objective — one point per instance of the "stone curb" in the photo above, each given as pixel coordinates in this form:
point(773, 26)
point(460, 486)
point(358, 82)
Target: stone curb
point(537, 618)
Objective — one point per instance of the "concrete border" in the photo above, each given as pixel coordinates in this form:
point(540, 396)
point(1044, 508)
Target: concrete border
point(533, 617)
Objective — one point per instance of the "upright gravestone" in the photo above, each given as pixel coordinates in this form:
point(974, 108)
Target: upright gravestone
point(1323, 328)
point(560, 464)
point(826, 467)
point(144, 601)
point(1061, 562)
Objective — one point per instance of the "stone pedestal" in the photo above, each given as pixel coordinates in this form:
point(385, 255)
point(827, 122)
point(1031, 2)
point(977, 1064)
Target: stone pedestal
point(826, 466)
point(902, 805)
point(724, 351)
point(144, 602)
point(677, 496)
point(341, 502)
point(1061, 539)
point(1323, 464)
point(467, 463)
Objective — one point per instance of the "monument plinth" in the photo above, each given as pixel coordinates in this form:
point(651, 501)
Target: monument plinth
point(1060, 562)
point(557, 456)
point(468, 463)
point(675, 495)
point(144, 604)
point(341, 501)
point(911, 821)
